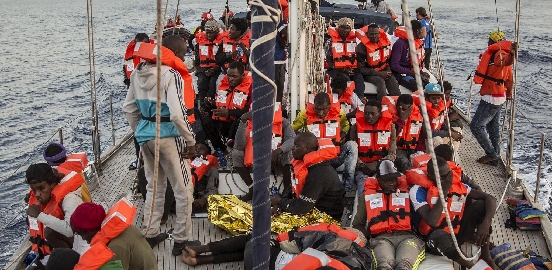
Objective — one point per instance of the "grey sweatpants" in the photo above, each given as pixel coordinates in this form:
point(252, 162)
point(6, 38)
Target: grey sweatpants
point(177, 170)
point(398, 250)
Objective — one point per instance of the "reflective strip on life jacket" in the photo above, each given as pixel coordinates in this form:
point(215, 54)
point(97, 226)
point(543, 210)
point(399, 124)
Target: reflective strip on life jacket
point(387, 212)
point(232, 99)
point(329, 127)
point(377, 54)
point(373, 140)
point(343, 51)
point(311, 259)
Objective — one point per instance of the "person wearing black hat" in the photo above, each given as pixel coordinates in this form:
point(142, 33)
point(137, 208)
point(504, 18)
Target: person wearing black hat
point(383, 215)
point(52, 200)
point(63, 259)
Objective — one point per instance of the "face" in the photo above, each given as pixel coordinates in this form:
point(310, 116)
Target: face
point(401, 107)
point(201, 150)
point(389, 186)
point(420, 33)
point(322, 110)
point(299, 148)
point(42, 191)
point(447, 94)
point(445, 174)
point(211, 35)
point(372, 114)
point(343, 31)
point(434, 99)
point(234, 77)
point(418, 16)
point(234, 33)
point(338, 91)
point(373, 34)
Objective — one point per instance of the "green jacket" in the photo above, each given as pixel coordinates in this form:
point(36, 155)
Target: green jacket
point(112, 265)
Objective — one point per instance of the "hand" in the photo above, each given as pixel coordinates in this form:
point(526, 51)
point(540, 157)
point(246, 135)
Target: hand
point(275, 210)
point(221, 112)
point(242, 45)
point(274, 201)
point(209, 72)
point(246, 116)
point(33, 210)
point(453, 116)
point(210, 102)
point(425, 76)
point(384, 74)
point(404, 113)
point(349, 71)
point(342, 138)
point(190, 152)
point(513, 48)
point(364, 100)
point(199, 203)
point(275, 155)
point(456, 135)
point(482, 234)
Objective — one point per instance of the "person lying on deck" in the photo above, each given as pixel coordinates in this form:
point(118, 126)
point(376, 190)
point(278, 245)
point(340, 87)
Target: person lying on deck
point(205, 176)
point(282, 142)
point(321, 187)
point(52, 200)
point(471, 220)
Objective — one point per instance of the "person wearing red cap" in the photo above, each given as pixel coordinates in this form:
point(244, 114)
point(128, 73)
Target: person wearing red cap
point(129, 246)
point(52, 200)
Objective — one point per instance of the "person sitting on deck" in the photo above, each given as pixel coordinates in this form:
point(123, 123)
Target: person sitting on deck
point(348, 101)
point(234, 45)
point(285, 248)
point(375, 135)
point(112, 238)
point(445, 151)
point(205, 176)
point(408, 123)
point(341, 54)
point(207, 70)
point(494, 73)
point(52, 200)
point(384, 216)
point(221, 115)
point(324, 119)
point(454, 118)
point(282, 142)
point(373, 55)
point(471, 220)
point(321, 187)
point(177, 143)
point(401, 64)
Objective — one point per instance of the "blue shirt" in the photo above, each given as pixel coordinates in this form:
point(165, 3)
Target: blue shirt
point(428, 40)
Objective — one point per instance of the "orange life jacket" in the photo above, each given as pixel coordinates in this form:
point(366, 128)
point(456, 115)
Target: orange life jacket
point(118, 218)
point(77, 162)
point(377, 54)
point(421, 160)
point(487, 59)
point(285, 9)
point(230, 45)
point(329, 127)
point(131, 62)
point(323, 227)
point(232, 99)
point(148, 52)
point(373, 140)
point(343, 51)
point(70, 182)
point(277, 135)
point(311, 259)
point(200, 165)
point(326, 151)
point(400, 32)
point(456, 199)
point(207, 49)
point(436, 115)
point(346, 100)
point(409, 135)
point(387, 213)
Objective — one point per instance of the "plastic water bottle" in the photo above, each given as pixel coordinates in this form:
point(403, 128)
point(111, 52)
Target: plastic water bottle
point(30, 258)
point(221, 158)
point(274, 191)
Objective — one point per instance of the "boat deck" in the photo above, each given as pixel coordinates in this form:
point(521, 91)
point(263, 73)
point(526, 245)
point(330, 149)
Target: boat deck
point(117, 181)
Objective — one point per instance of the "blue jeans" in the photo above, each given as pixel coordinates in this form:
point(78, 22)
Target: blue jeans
point(347, 156)
point(485, 127)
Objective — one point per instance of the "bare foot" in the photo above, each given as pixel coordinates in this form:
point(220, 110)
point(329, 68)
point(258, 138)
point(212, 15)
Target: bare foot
point(190, 251)
point(247, 197)
point(187, 259)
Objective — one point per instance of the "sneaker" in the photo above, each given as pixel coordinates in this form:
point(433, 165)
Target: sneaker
point(133, 165)
point(179, 246)
point(154, 241)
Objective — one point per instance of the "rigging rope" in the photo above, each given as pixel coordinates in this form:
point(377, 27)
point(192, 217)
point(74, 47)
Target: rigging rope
point(514, 88)
point(176, 14)
point(430, 149)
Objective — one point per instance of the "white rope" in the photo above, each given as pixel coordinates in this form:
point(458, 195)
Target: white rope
point(430, 149)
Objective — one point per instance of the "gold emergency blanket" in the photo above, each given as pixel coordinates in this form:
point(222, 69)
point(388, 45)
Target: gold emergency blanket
point(236, 216)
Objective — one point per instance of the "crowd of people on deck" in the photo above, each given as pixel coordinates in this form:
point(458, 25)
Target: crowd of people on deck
point(378, 144)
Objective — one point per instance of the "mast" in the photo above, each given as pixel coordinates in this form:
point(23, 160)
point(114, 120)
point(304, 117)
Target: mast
point(264, 19)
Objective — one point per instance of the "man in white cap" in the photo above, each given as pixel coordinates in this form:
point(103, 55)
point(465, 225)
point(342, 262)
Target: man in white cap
point(383, 215)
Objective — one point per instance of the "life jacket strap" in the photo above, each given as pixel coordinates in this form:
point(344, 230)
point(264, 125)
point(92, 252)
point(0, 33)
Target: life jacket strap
point(486, 77)
point(152, 119)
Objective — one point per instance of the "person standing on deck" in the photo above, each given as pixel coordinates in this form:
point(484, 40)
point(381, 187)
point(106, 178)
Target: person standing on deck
point(341, 53)
point(207, 70)
point(382, 7)
point(471, 222)
point(421, 15)
point(176, 144)
point(235, 44)
point(373, 55)
point(494, 73)
point(324, 118)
